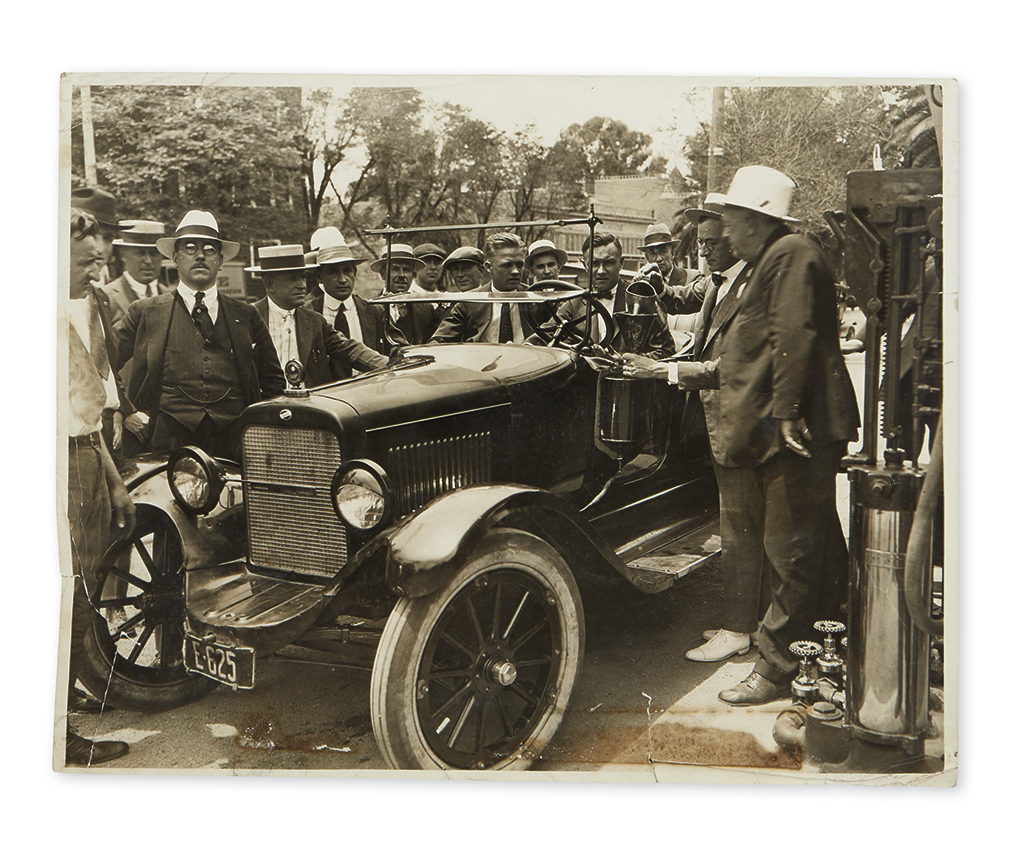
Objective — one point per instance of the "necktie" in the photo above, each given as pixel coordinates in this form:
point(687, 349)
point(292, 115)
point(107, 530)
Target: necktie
point(201, 315)
point(288, 353)
point(97, 343)
point(505, 324)
point(151, 289)
point(341, 321)
point(710, 298)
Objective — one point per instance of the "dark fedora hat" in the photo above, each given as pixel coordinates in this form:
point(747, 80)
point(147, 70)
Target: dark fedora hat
point(99, 203)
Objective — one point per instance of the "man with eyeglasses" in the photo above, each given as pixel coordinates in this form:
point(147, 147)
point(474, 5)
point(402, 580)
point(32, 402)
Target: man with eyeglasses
point(199, 358)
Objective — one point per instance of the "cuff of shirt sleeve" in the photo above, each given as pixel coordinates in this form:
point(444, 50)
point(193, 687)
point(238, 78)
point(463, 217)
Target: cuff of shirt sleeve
point(673, 372)
point(791, 413)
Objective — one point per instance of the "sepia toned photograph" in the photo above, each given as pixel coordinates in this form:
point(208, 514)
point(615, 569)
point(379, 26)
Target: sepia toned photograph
point(584, 427)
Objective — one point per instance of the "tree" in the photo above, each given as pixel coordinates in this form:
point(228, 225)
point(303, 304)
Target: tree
point(603, 147)
point(322, 145)
point(814, 135)
point(163, 150)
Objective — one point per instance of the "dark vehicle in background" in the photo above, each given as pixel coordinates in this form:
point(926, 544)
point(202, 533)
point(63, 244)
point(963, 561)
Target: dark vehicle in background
point(430, 520)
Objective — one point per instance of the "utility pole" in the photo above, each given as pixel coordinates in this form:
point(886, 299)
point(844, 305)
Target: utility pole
point(715, 151)
point(90, 143)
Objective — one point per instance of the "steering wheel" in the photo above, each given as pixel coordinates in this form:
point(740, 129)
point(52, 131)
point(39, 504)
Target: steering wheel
point(566, 332)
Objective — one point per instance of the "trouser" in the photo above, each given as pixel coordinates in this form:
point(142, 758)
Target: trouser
point(806, 548)
point(89, 517)
point(746, 571)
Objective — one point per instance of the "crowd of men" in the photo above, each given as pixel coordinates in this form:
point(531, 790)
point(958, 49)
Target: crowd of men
point(155, 369)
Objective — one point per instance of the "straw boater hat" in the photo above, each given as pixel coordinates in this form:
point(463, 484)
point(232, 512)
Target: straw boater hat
point(761, 189)
point(329, 247)
point(399, 252)
point(99, 203)
point(198, 225)
point(542, 247)
point(695, 215)
point(464, 253)
point(279, 259)
point(140, 233)
point(656, 235)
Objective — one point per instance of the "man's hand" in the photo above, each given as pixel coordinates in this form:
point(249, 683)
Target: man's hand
point(640, 366)
point(137, 424)
point(122, 510)
point(797, 436)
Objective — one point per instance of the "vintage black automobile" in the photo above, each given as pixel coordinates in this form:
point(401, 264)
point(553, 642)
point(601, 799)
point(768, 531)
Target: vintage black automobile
point(435, 516)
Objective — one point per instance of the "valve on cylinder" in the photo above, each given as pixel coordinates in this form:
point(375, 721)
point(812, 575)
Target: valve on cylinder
point(805, 684)
point(830, 665)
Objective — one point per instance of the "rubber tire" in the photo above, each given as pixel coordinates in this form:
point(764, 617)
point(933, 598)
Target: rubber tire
point(408, 630)
point(117, 688)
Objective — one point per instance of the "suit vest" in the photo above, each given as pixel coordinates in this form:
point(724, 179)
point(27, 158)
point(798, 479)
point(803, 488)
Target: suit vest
point(200, 376)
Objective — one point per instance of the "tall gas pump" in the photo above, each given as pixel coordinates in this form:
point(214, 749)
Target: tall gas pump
point(893, 256)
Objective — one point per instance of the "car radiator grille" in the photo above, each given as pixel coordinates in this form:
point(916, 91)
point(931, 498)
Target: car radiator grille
point(423, 471)
point(292, 524)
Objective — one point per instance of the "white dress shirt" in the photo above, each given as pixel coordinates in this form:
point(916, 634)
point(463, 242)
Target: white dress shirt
point(331, 306)
point(730, 277)
point(490, 334)
point(79, 313)
point(282, 332)
point(211, 300)
point(141, 291)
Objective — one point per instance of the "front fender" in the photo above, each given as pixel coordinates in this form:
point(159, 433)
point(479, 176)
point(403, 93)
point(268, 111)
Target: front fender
point(207, 540)
point(426, 549)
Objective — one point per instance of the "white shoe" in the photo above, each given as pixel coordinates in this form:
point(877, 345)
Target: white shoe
point(723, 645)
point(755, 638)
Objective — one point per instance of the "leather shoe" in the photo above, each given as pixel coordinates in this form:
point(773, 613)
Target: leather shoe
point(79, 702)
point(84, 752)
point(755, 638)
point(756, 689)
point(723, 645)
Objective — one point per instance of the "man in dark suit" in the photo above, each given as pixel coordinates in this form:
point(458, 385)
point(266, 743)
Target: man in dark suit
point(412, 319)
point(606, 258)
point(301, 334)
point(198, 358)
point(463, 271)
point(788, 411)
point(491, 322)
point(335, 273)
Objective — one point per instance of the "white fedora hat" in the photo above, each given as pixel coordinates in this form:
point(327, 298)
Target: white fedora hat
point(399, 252)
point(200, 225)
point(544, 246)
point(762, 189)
point(329, 246)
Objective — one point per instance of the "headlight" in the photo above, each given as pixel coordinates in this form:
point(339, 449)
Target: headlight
point(195, 479)
point(361, 494)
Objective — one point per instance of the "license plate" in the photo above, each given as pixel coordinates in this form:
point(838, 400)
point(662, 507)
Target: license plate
point(235, 667)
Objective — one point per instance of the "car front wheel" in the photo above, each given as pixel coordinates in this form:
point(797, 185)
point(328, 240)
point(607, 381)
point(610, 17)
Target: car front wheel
point(133, 655)
point(478, 675)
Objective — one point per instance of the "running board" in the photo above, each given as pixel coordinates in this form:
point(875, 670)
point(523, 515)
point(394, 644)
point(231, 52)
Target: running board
point(686, 555)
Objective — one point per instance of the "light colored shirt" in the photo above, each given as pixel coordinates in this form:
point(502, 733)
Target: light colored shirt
point(490, 334)
point(416, 290)
point(331, 306)
point(141, 291)
point(282, 332)
point(80, 313)
point(730, 277)
point(211, 300)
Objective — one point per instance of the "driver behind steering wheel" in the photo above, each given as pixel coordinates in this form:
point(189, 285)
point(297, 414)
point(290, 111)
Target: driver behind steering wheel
point(606, 257)
point(491, 322)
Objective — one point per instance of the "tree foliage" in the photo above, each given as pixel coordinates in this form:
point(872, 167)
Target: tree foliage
point(163, 150)
point(603, 147)
point(815, 135)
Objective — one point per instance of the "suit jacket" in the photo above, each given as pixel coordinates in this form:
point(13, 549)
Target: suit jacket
point(466, 322)
point(371, 321)
point(142, 338)
point(659, 345)
point(121, 296)
point(781, 359)
point(325, 354)
point(417, 323)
